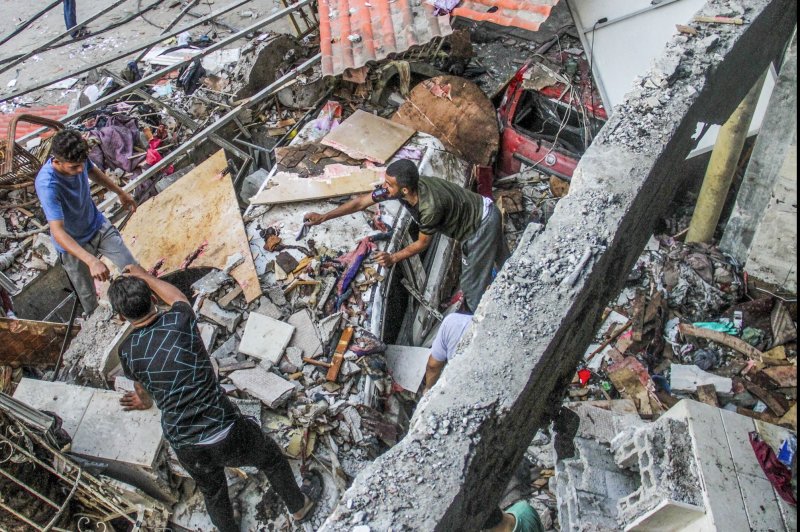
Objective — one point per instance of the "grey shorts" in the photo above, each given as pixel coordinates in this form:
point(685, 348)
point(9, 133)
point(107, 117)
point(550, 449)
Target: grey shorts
point(106, 242)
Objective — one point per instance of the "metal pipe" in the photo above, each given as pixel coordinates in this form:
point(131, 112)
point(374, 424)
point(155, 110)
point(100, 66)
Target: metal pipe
point(28, 488)
point(198, 137)
point(106, 61)
point(166, 70)
point(171, 25)
point(22, 57)
point(722, 167)
point(29, 22)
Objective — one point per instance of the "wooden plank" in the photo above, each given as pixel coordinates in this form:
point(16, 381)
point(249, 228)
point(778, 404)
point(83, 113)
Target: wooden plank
point(338, 355)
point(707, 393)
point(366, 136)
point(31, 343)
point(288, 188)
point(721, 338)
point(637, 316)
point(198, 217)
point(783, 376)
point(772, 403)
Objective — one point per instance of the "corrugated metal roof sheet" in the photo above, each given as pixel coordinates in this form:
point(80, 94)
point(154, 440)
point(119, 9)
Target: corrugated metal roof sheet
point(355, 32)
point(525, 14)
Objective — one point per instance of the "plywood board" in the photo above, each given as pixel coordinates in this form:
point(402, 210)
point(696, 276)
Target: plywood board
point(407, 365)
point(288, 188)
point(199, 212)
point(366, 136)
point(31, 343)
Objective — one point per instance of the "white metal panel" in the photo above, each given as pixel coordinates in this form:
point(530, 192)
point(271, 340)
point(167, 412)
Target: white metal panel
point(624, 46)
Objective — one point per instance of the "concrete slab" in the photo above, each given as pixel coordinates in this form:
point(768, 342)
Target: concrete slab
point(667, 517)
point(226, 318)
point(107, 432)
point(407, 365)
point(265, 338)
point(686, 378)
point(306, 336)
point(69, 402)
point(269, 388)
point(99, 428)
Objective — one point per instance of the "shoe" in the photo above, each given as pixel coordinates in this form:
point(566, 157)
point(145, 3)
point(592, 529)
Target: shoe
point(312, 490)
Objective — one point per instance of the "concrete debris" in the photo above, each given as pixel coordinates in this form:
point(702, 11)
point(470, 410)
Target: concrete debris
point(688, 378)
point(269, 388)
point(309, 358)
point(265, 338)
point(225, 318)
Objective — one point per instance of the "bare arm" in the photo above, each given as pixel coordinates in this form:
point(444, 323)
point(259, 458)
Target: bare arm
point(432, 372)
point(99, 177)
point(356, 204)
point(168, 293)
point(97, 269)
point(415, 248)
point(139, 399)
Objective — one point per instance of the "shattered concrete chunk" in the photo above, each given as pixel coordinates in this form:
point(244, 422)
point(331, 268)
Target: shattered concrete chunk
point(685, 378)
point(226, 318)
point(269, 388)
point(305, 336)
point(265, 338)
point(227, 349)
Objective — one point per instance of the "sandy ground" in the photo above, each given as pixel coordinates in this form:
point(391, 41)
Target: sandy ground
point(79, 55)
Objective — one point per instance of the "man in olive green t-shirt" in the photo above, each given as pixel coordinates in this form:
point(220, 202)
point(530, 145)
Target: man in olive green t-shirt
point(438, 206)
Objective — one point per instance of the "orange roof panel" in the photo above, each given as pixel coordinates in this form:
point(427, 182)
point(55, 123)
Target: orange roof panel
point(356, 32)
point(525, 14)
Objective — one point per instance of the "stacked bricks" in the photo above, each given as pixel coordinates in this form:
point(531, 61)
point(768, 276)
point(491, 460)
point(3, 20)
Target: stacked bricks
point(53, 112)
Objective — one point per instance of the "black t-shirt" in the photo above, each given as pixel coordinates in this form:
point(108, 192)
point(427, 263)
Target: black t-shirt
point(169, 359)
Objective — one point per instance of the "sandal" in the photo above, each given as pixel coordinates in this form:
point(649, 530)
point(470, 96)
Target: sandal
point(312, 490)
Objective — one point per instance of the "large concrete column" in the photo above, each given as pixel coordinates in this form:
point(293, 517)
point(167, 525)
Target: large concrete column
point(771, 159)
point(537, 319)
point(722, 167)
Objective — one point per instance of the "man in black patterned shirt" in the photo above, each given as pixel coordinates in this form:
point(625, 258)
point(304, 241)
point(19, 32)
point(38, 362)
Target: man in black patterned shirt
point(166, 359)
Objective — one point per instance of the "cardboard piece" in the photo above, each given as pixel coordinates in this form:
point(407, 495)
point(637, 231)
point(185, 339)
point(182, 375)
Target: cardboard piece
point(407, 365)
point(195, 223)
point(366, 136)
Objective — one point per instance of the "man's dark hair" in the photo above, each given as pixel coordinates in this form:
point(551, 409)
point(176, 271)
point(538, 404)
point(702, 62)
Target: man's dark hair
point(406, 174)
point(69, 146)
point(131, 297)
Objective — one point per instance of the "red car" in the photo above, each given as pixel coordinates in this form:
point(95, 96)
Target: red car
point(547, 127)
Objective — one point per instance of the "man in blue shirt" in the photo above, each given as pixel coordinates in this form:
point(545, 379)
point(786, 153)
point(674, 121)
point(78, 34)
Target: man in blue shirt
point(79, 230)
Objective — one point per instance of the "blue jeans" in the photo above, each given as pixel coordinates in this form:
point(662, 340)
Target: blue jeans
point(70, 14)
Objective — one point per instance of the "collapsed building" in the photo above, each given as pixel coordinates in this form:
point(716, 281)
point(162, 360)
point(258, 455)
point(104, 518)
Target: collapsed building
point(262, 136)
